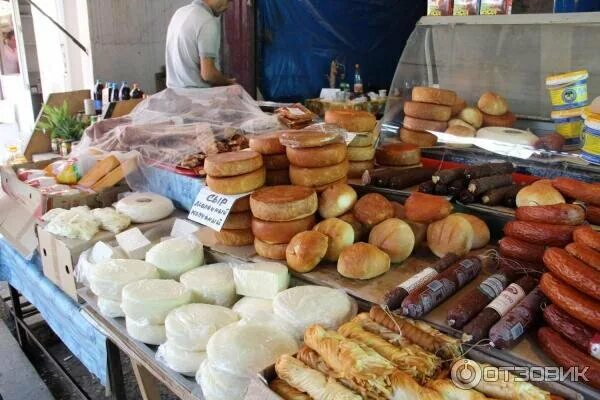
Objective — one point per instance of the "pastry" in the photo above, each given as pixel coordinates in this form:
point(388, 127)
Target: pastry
point(340, 233)
point(306, 250)
point(336, 200)
point(373, 208)
point(362, 261)
point(492, 104)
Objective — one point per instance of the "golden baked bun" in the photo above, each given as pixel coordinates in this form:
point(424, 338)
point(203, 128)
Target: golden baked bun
point(360, 230)
point(340, 233)
point(313, 177)
point(398, 154)
point(416, 124)
point(283, 203)
point(306, 250)
point(462, 132)
point(234, 237)
point(507, 120)
point(458, 121)
point(492, 104)
point(280, 232)
point(350, 120)
point(336, 200)
point(459, 105)
point(539, 194)
point(356, 169)
point(481, 232)
point(432, 112)
point(278, 177)
point(238, 184)
point(420, 139)
point(363, 261)
point(232, 164)
point(315, 157)
point(431, 95)
point(241, 204)
point(271, 251)
point(426, 208)
point(395, 237)
point(452, 234)
point(276, 161)
point(240, 220)
point(372, 209)
point(361, 153)
point(307, 138)
point(472, 116)
point(267, 143)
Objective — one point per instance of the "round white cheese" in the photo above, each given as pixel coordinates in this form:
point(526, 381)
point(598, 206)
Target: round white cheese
point(246, 349)
point(212, 284)
point(261, 279)
point(150, 300)
point(110, 308)
point(218, 385)
point(302, 306)
point(508, 135)
point(145, 207)
point(189, 327)
point(108, 278)
point(175, 256)
point(183, 361)
point(248, 308)
point(145, 333)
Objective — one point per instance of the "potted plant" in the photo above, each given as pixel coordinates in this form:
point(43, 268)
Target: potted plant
point(64, 128)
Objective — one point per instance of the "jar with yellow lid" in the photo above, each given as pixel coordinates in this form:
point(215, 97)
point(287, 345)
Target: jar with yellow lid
point(568, 90)
point(590, 149)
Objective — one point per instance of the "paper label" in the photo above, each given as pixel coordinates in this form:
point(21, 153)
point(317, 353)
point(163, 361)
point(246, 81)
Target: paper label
point(102, 252)
point(183, 228)
point(211, 209)
point(517, 330)
point(507, 299)
point(417, 280)
point(466, 271)
point(493, 286)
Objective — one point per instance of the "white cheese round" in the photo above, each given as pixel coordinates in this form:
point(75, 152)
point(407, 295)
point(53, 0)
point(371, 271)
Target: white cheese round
point(183, 361)
point(150, 300)
point(145, 207)
point(108, 278)
point(219, 385)
point(111, 220)
point(175, 256)
point(212, 284)
point(248, 308)
point(110, 308)
point(302, 306)
point(246, 349)
point(189, 327)
point(145, 333)
point(261, 279)
point(507, 135)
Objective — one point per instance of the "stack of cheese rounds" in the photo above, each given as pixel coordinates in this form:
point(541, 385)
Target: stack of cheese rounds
point(317, 159)
point(279, 213)
point(235, 173)
point(274, 157)
point(361, 150)
point(429, 110)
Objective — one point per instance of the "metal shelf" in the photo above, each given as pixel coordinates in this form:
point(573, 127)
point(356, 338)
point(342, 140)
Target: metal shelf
point(514, 19)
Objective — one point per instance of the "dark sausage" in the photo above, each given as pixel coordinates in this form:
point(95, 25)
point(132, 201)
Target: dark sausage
point(467, 197)
point(488, 169)
point(521, 250)
point(572, 271)
point(448, 175)
point(456, 186)
point(427, 187)
point(482, 185)
point(510, 198)
point(538, 233)
point(494, 197)
point(559, 214)
point(574, 330)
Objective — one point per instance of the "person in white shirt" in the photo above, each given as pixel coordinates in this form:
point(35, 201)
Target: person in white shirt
point(194, 44)
point(10, 58)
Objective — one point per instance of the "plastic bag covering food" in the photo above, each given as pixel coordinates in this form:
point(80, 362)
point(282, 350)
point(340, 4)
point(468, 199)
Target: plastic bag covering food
point(145, 333)
point(262, 279)
point(190, 327)
point(150, 300)
point(107, 279)
point(218, 385)
point(87, 262)
point(302, 306)
point(145, 207)
point(74, 224)
point(111, 220)
point(110, 308)
point(249, 308)
point(247, 349)
point(175, 256)
point(179, 360)
point(212, 284)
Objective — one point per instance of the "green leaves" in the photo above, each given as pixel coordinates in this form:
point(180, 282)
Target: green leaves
point(61, 124)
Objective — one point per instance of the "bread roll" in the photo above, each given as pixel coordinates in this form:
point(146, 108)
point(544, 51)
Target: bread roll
point(336, 200)
point(452, 234)
point(278, 177)
point(340, 233)
point(539, 194)
point(363, 261)
point(234, 163)
point(372, 209)
point(363, 139)
point(432, 112)
point(350, 120)
point(241, 204)
point(426, 208)
point(314, 157)
point(399, 211)
point(416, 124)
point(240, 220)
point(481, 232)
point(361, 153)
point(283, 203)
point(420, 139)
point(359, 229)
point(276, 161)
point(398, 154)
point(458, 121)
point(306, 138)
point(238, 184)
point(507, 120)
point(280, 232)
point(472, 116)
point(313, 177)
point(458, 106)
point(431, 95)
point(234, 237)
point(306, 250)
point(356, 169)
point(395, 237)
point(271, 251)
point(267, 143)
point(461, 132)
point(492, 104)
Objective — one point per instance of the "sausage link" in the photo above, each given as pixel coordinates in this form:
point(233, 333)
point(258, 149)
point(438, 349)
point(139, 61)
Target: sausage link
point(521, 250)
point(538, 233)
point(586, 192)
point(574, 272)
point(575, 331)
point(588, 236)
point(560, 214)
point(585, 253)
point(592, 214)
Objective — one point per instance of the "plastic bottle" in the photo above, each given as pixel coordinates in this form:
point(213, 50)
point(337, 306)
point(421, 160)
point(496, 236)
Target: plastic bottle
point(115, 92)
point(125, 91)
point(98, 96)
point(136, 92)
point(358, 85)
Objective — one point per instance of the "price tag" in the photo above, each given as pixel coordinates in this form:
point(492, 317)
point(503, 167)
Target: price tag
point(211, 209)
point(183, 228)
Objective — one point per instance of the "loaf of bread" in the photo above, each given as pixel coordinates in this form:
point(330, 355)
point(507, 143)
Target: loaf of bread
point(426, 208)
point(283, 203)
point(395, 237)
point(372, 209)
point(116, 175)
point(472, 116)
point(492, 104)
point(340, 234)
point(360, 231)
point(481, 232)
point(362, 261)
point(540, 193)
point(336, 200)
point(98, 171)
point(453, 234)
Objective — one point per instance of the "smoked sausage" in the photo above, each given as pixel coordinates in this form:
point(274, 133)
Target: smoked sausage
point(560, 214)
point(588, 236)
point(539, 233)
point(575, 331)
point(586, 192)
point(592, 214)
point(586, 254)
point(520, 250)
point(572, 271)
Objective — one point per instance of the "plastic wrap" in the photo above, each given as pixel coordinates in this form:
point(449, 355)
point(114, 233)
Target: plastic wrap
point(179, 360)
point(107, 279)
point(218, 385)
point(110, 308)
point(74, 224)
point(111, 220)
point(86, 263)
point(144, 332)
point(212, 284)
point(175, 256)
point(249, 308)
point(150, 300)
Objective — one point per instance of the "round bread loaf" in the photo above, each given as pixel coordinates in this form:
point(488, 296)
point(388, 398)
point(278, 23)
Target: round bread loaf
point(306, 138)
point(283, 203)
point(315, 157)
point(420, 139)
point(539, 194)
point(232, 164)
point(356, 169)
point(458, 106)
point(460, 122)
point(492, 104)
point(336, 200)
point(481, 232)
point(416, 124)
point(267, 143)
point(276, 161)
point(267, 250)
point(507, 120)
point(395, 237)
point(313, 177)
point(360, 230)
point(431, 95)
point(280, 232)
point(460, 131)
point(363, 261)
point(472, 116)
point(340, 233)
point(237, 184)
point(452, 234)
point(398, 154)
point(372, 209)
point(278, 177)
point(241, 204)
point(433, 112)
point(234, 237)
point(306, 250)
point(361, 153)
point(350, 120)
point(363, 139)
point(240, 220)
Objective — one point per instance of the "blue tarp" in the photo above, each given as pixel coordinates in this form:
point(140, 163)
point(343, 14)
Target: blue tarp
point(298, 39)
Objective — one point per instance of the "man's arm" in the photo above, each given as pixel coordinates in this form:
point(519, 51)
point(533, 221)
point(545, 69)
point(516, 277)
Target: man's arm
point(209, 73)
